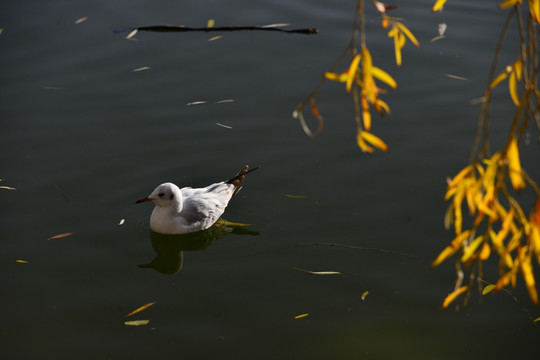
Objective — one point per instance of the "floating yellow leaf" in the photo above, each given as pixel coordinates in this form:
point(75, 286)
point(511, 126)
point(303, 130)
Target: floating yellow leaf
point(295, 196)
point(439, 4)
point(144, 307)
point(301, 316)
point(215, 38)
point(22, 261)
point(7, 187)
point(63, 235)
point(80, 20)
point(210, 23)
point(364, 295)
point(453, 295)
point(137, 322)
point(132, 34)
point(373, 140)
point(318, 272)
point(229, 223)
point(488, 289)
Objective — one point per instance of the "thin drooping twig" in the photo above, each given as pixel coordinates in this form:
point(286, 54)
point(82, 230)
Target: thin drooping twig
point(173, 28)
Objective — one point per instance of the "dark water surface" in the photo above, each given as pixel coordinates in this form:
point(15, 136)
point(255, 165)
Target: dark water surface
point(83, 136)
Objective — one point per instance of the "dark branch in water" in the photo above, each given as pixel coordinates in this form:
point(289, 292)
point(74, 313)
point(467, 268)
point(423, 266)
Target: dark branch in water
point(171, 28)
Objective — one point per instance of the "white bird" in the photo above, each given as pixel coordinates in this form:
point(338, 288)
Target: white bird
point(181, 211)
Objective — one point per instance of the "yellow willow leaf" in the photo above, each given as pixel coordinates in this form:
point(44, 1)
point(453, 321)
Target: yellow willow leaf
point(336, 77)
point(407, 32)
point(518, 68)
point(448, 221)
point(498, 79)
point(352, 72)
point(137, 322)
point(458, 215)
point(489, 177)
point(301, 316)
point(514, 166)
point(397, 49)
point(381, 105)
point(501, 235)
point(453, 295)
point(512, 87)
point(535, 241)
point(521, 215)
point(22, 261)
point(401, 40)
point(488, 289)
point(144, 307)
point(362, 144)
point(508, 3)
point(528, 275)
point(536, 320)
point(501, 250)
point(451, 249)
point(472, 248)
point(503, 281)
point(374, 140)
point(460, 175)
point(383, 76)
point(439, 4)
point(210, 23)
point(485, 252)
point(366, 114)
point(534, 8)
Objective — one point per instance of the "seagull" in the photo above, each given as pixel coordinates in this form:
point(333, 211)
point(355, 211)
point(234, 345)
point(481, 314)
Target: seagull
point(186, 210)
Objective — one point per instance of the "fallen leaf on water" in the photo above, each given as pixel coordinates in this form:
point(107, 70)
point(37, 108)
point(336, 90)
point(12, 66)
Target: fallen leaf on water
point(318, 272)
point(225, 101)
point(295, 196)
point(215, 38)
point(210, 23)
point(7, 187)
point(301, 316)
point(455, 77)
point(230, 223)
point(536, 320)
point(364, 295)
point(136, 322)
point(80, 20)
point(121, 222)
point(196, 102)
point(142, 68)
point(146, 306)
point(132, 34)
point(225, 126)
point(22, 261)
point(61, 235)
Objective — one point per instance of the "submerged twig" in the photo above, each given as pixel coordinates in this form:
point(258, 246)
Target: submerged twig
point(181, 28)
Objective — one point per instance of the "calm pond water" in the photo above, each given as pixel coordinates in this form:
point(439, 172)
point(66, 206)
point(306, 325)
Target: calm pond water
point(84, 135)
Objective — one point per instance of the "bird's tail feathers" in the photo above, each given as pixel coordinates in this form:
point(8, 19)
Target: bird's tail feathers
point(239, 178)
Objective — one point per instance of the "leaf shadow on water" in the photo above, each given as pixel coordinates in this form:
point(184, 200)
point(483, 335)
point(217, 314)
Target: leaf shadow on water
point(170, 248)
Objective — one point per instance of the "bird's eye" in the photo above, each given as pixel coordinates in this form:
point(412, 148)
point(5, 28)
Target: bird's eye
point(161, 195)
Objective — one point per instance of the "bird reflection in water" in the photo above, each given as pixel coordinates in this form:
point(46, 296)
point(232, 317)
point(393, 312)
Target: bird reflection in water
point(170, 248)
